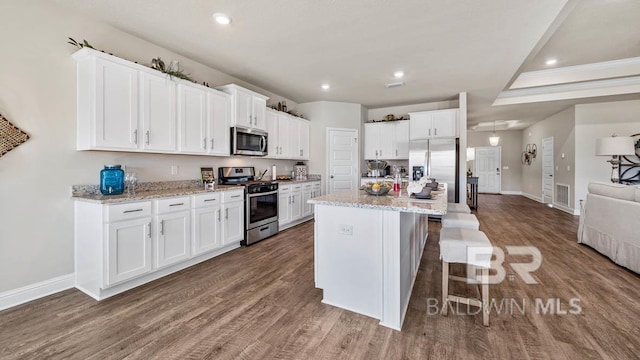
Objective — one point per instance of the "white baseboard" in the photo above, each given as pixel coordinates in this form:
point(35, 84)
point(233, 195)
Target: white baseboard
point(566, 209)
point(510, 192)
point(35, 291)
point(532, 197)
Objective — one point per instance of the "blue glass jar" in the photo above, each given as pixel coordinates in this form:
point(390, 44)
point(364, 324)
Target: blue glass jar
point(112, 180)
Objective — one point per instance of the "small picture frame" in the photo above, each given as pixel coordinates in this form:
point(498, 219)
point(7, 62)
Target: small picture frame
point(206, 174)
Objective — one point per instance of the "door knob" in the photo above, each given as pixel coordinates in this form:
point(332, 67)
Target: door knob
point(332, 176)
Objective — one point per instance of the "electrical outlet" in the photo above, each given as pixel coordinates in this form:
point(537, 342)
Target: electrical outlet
point(568, 167)
point(174, 169)
point(345, 229)
point(505, 167)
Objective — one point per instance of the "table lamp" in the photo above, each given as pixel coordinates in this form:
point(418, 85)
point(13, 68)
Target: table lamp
point(615, 146)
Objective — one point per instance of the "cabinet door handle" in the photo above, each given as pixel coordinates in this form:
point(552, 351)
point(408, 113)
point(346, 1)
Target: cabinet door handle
point(380, 152)
point(293, 199)
point(147, 137)
point(177, 204)
point(396, 152)
point(289, 199)
point(207, 200)
point(204, 143)
point(161, 227)
point(435, 131)
point(235, 196)
point(149, 233)
point(212, 142)
point(131, 211)
point(376, 153)
point(226, 213)
point(218, 215)
point(135, 136)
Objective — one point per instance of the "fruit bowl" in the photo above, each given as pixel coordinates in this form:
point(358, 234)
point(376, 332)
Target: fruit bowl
point(377, 188)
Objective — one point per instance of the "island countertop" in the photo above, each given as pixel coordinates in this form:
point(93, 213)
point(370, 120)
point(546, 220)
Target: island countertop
point(392, 202)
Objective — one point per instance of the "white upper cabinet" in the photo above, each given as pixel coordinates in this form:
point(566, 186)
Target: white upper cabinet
point(107, 104)
point(248, 108)
point(218, 122)
point(401, 139)
point(288, 136)
point(386, 140)
point(192, 117)
point(433, 124)
point(125, 106)
point(158, 112)
point(303, 134)
point(203, 115)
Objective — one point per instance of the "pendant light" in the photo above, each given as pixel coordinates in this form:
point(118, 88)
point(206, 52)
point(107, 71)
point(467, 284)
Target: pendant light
point(494, 140)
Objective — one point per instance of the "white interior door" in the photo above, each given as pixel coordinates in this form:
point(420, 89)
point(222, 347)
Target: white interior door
point(342, 159)
point(488, 169)
point(547, 170)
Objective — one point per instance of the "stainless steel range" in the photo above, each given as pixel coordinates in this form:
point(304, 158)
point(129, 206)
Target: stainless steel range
point(261, 202)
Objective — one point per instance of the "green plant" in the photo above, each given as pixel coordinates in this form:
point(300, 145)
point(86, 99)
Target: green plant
point(81, 45)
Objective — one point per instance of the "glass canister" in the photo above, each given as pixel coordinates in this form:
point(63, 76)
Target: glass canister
point(112, 180)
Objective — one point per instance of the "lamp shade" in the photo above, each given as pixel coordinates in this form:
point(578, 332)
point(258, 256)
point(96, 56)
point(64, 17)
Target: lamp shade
point(471, 154)
point(494, 140)
point(615, 145)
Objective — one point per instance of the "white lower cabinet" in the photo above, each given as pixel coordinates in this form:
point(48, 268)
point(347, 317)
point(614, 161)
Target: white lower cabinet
point(121, 246)
point(233, 223)
point(129, 253)
point(292, 202)
point(173, 231)
point(206, 220)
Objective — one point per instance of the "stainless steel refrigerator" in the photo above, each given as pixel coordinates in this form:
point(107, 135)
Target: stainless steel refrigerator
point(436, 158)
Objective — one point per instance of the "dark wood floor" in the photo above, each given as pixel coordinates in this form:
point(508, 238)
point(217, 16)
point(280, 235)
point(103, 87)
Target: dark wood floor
point(260, 303)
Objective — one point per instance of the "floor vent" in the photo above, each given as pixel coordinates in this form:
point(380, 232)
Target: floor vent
point(562, 194)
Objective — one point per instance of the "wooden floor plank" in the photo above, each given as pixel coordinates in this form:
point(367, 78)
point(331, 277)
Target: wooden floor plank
point(260, 302)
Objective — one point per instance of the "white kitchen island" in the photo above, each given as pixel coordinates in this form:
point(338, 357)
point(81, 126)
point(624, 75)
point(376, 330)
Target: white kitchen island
point(368, 249)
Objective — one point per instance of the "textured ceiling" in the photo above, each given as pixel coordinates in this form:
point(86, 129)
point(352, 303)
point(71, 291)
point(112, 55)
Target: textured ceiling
point(444, 47)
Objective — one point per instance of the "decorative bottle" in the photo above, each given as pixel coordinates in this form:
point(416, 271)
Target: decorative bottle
point(112, 180)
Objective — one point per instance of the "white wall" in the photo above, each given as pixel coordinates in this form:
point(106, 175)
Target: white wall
point(595, 121)
point(561, 127)
point(323, 115)
point(38, 94)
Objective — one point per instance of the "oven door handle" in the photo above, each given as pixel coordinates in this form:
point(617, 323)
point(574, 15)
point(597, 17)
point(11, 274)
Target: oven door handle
point(263, 194)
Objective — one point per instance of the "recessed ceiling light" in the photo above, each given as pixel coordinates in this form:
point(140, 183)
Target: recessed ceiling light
point(325, 86)
point(222, 19)
point(551, 61)
point(398, 74)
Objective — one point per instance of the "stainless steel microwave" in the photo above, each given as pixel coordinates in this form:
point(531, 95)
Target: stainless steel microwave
point(246, 141)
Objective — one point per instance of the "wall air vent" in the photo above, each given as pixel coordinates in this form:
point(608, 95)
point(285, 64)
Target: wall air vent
point(394, 84)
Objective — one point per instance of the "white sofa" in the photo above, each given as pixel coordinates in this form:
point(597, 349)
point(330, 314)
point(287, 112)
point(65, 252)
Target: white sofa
point(610, 222)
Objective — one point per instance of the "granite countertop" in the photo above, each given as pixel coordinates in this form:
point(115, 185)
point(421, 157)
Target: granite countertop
point(391, 201)
point(153, 194)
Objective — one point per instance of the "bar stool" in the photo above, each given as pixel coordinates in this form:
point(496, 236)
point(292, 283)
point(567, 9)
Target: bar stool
point(456, 244)
point(458, 208)
point(459, 220)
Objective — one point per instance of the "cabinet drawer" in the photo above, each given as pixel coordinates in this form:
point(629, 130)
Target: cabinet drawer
point(206, 200)
point(296, 187)
point(284, 189)
point(316, 185)
point(235, 195)
point(307, 186)
point(128, 211)
point(172, 204)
